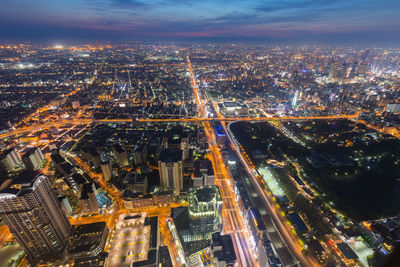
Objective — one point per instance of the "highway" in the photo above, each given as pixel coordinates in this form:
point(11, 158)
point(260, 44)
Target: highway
point(277, 219)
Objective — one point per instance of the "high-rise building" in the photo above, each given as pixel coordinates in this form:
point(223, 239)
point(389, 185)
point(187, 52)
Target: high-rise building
point(32, 158)
point(185, 147)
point(171, 170)
point(88, 198)
point(140, 154)
point(121, 155)
point(106, 170)
point(294, 101)
point(394, 108)
point(364, 54)
point(30, 209)
point(338, 71)
point(9, 160)
point(205, 210)
point(91, 154)
point(203, 173)
point(201, 218)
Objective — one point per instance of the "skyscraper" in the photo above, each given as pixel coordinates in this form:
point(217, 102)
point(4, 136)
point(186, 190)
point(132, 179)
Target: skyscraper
point(294, 101)
point(202, 217)
point(171, 169)
point(106, 170)
point(205, 210)
point(32, 158)
point(30, 209)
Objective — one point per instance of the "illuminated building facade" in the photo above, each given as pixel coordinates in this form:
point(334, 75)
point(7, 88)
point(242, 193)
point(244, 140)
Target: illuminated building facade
point(205, 210)
point(171, 170)
point(30, 209)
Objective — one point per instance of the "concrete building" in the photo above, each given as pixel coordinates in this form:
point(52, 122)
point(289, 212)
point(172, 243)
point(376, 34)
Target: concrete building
point(121, 155)
point(223, 250)
point(203, 173)
point(205, 210)
point(140, 155)
point(220, 136)
point(32, 212)
point(135, 241)
point(33, 158)
point(65, 205)
point(171, 170)
point(90, 154)
point(136, 182)
point(88, 240)
point(9, 160)
point(138, 201)
point(394, 108)
point(61, 165)
point(185, 147)
point(88, 198)
point(76, 104)
point(106, 170)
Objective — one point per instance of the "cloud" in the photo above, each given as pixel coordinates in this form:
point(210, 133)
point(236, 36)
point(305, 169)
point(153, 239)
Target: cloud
point(209, 18)
point(273, 6)
point(126, 3)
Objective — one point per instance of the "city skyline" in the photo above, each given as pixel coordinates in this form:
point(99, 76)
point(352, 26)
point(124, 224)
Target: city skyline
point(184, 133)
point(303, 21)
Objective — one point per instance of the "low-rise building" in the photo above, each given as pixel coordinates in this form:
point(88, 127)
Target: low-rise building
point(135, 241)
point(88, 240)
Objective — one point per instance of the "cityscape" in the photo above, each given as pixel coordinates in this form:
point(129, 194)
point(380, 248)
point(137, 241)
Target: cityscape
point(196, 150)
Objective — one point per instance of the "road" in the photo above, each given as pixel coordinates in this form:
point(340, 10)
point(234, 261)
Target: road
point(278, 220)
point(47, 125)
point(231, 218)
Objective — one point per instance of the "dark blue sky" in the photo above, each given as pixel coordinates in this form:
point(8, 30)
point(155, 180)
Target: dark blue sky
point(338, 21)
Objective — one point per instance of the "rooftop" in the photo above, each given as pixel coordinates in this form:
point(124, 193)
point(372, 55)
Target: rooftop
point(170, 155)
point(29, 151)
point(21, 183)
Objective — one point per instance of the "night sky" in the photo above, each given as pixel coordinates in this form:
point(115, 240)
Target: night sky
point(337, 21)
